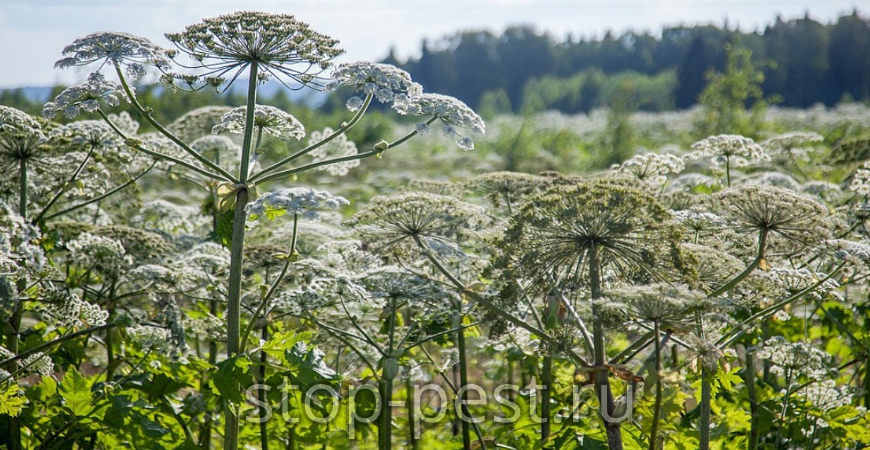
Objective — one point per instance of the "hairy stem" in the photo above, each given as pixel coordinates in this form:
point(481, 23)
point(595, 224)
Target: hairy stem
point(602, 384)
point(653, 434)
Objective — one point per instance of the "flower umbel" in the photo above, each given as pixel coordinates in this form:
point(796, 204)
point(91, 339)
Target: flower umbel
point(117, 49)
point(386, 82)
point(276, 42)
point(267, 119)
point(86, 96)
point(452, 112)
point(303, 201)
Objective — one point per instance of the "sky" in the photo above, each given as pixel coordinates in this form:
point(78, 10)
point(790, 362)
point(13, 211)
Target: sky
point(33, 32)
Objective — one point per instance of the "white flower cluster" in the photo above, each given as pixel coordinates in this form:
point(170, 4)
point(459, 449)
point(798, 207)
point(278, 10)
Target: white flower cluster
point(166, 217)
point(825, 395)
point(209, 257)
point(452, 112)
point(302, 201)
point(776, 179)
point(386, 82)
point(736, 150)
point(338, 147)
point(698, 220)
point(39, 363)
point(20, 254)
point(861, 180)
point(792, 146)
point(854, 253)
point(86, 96)
point(689, 181)
point(267, 119)
point(346, 257)
point(794, 359)
point(151, 338)
point(12, 119)
point(115, 48)
point(65, 310)
point(786, 282)
point(103, 254)
point(35, 363)
point(650, 168)
point(209, 327)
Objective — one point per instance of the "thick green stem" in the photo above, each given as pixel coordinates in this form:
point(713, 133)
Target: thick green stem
point(249, 123)
point(602, 383)
point(13, 440)
point(866, 381)
point(546, 394)
point(234, 296)
point(385, 434)
point(728, 170)
point(22, 189)
point(653, 434)
point(705, 407)
point(237, 250)
point(463, 382)
point(412, 417)
point(749, 378)
point(261, 394)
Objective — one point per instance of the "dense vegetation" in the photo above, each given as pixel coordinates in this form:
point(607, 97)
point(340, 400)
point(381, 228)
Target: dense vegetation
point(621, 279)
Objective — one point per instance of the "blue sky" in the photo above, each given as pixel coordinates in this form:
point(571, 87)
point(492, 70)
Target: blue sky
point(33, 32)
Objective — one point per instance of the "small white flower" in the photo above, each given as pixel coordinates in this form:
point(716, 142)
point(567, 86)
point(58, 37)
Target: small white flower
point(354, 104)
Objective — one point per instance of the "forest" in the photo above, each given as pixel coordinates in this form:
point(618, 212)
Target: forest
point(636, 242)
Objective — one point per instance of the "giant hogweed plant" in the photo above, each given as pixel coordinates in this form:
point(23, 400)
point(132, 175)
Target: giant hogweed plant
point(217, 53)
point(714, 299)
point(713, 273)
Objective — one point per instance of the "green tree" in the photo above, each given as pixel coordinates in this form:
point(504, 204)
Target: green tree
point(725, 98)
point(851, 75)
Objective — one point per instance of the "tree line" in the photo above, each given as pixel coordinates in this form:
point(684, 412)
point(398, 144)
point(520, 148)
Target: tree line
point(805, 62)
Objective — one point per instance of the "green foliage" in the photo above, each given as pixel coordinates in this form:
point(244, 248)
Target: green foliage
point(729, 93)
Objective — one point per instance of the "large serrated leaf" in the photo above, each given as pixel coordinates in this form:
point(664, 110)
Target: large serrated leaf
point(232, 373)
point(10, 401)
point(76, 393)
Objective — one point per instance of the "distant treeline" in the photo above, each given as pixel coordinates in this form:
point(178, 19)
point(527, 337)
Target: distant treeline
point(804, 62)
point(523, 70)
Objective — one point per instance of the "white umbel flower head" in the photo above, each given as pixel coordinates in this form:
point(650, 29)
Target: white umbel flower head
point(387, 83)
point(117, 49)
point(268, 119)
point(12, 119)
point(339, 146)
point(452, 112)
point(278, 43)
point(651, 168)
point(302, 201)
point(85, 97)
point(734, 149)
